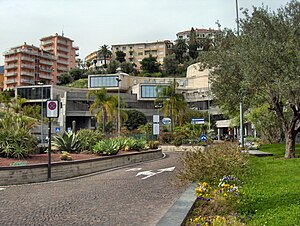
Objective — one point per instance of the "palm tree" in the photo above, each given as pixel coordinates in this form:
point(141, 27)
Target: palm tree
point(104, 53)
point(173, 103)
point(103, 106)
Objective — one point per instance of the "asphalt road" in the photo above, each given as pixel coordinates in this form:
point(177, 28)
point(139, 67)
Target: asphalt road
point(136, 195)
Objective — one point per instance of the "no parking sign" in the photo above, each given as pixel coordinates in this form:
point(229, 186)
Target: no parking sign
point(52, 109)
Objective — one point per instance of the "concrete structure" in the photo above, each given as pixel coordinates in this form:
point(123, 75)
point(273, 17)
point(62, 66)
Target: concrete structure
point(63, 50)
point(63, 170)
point(136, 52)
point(27, 65)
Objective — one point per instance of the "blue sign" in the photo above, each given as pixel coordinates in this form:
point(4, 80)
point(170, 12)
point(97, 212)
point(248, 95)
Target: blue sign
point(166, 121)
point(57, 129)
point(203, 137)
point(197, 121)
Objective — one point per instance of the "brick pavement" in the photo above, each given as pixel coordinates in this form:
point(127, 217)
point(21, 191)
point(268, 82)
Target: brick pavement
point(114, 198)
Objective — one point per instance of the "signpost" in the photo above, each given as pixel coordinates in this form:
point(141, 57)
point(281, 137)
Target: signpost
point(52, 112)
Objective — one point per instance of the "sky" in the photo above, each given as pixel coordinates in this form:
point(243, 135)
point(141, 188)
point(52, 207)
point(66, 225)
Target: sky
point(93, 23)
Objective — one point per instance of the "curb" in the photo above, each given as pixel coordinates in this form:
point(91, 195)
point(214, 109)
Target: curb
point(177, 214)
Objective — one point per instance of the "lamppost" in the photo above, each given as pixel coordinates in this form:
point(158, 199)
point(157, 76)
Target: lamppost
point(119, 70)
point(42, 110)
point(241, 96)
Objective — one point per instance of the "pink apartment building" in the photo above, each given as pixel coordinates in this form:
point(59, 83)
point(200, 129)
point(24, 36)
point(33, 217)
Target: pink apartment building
point(28, 64)
point(63, 50)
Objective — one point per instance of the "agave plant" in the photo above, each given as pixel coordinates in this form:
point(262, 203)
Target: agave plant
point(107, 147)
point(68, 141)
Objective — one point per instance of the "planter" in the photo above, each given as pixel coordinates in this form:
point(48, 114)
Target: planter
point(13, 175)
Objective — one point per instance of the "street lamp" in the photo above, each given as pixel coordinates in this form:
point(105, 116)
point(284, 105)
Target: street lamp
point(241, 97)
point(119, 70)
point(42, 109)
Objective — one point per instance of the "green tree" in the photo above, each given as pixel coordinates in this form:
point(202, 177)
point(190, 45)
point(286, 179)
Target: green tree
point(76, 73)
point(6, 97)
point(174, 104)
point(120, 56)
point(170, 64)
point(135, 119)
point(193, 44)
point(150, 65)
point(262, 66)
point(88, 64)
point(103, 106)
point(180, 49)
point(104, 53)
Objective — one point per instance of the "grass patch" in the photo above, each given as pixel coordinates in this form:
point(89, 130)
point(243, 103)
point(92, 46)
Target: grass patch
point(273, 187)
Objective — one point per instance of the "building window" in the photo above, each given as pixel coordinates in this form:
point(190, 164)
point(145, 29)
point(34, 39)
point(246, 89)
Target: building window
point(124, 48)
point(150, 91)
point(140, 53)
point(103, 81)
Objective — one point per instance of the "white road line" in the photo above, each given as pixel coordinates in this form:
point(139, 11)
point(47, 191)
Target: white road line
point(1, 189)
point(134, 169)
point(149, 173)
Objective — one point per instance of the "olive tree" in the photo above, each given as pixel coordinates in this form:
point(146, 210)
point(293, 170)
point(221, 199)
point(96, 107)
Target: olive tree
point(262, 65)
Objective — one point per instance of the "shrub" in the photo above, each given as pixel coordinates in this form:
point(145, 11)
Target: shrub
point(88, 138)
point(136, 144)
point(16, 140)
point(107, 147)
point(68, 141)
point(153, 144)
point(214, 162)
point(66, 156)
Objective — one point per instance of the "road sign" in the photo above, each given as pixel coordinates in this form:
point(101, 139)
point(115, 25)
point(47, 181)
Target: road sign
point(57, 129)
point(155, 129)
point(197, 121)
point(156, 118)
point(52, 109)
point(166, 121)
point(203, 137)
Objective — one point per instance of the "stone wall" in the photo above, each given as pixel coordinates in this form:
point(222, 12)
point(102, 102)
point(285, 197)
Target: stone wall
point(61, 170)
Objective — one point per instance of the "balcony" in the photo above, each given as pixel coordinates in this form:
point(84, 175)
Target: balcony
point(63, 56)
point(11, 59)
point(50, 63)
point(27, 66)
point(47, 56)
point(43, 43)
point(46, 69)
point(10, 81)
point(62, 42)
point(27, 59)
point(49, 48)
point(76, 47)
point(27, 73)
point(46, 77)
point(62, 68)
point(11, 74)
point(63, 49)
point(27, 81)
point(62, 62)
point(11, 66)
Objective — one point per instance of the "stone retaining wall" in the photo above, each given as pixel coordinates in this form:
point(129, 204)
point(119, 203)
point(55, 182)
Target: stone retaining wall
point(61, 170)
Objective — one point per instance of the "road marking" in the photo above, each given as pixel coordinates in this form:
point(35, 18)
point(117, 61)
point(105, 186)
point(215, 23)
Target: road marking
point(149, 173)
point(134, 169)
point(2, 189)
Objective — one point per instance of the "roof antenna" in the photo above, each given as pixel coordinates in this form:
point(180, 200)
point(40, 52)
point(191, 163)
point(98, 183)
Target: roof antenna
point(62, 32)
